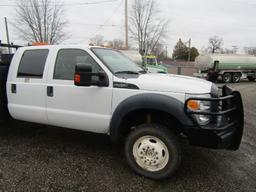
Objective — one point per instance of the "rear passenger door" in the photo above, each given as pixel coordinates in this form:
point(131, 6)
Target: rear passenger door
point(27, 87)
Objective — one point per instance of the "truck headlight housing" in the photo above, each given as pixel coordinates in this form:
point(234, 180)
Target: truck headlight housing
point(202, 106)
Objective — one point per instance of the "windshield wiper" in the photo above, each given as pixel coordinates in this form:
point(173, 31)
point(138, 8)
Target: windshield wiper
point(127, 72)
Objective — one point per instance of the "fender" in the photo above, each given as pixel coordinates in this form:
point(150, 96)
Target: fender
point(147, 101)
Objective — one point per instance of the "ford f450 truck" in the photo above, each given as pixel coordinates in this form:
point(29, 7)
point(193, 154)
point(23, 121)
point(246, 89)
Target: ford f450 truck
point(100, 90)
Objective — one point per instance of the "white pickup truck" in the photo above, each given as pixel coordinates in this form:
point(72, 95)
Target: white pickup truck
point(100, 90)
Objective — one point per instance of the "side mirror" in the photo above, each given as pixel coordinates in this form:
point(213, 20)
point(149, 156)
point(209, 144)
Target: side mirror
point(85, 77)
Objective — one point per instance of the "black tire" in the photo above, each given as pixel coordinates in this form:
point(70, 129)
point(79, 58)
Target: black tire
point(163, 136)
point(226, 78)
point(251, 78)
point(236, 77)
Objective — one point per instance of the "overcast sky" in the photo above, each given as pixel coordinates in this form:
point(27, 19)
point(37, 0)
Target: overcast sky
point(233, 20)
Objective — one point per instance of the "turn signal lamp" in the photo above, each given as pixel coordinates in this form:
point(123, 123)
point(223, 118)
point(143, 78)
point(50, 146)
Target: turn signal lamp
point(193, 105)
point(77, 78)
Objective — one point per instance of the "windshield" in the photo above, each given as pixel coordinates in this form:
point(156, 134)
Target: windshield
point(116, 61)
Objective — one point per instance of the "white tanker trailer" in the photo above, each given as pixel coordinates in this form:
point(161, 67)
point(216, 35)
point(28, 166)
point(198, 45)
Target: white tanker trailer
point(227, 67)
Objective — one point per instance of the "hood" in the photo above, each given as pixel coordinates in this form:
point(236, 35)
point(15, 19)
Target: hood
point(171, 83)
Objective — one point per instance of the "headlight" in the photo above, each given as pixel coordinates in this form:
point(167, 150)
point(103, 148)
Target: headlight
point(203, 106)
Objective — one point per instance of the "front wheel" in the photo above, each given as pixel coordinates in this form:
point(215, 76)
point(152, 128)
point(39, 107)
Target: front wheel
point(153, 151)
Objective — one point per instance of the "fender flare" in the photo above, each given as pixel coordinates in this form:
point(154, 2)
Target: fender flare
point(149, 101)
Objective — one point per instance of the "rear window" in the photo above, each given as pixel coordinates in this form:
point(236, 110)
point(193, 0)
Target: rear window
point(32, 63)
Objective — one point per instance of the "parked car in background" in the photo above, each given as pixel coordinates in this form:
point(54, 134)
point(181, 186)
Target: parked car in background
point(149, 62)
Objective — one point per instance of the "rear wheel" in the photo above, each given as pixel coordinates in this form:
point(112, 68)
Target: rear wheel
point(226, 78)
point(236, 77)
point(153, 151)
point(251, 78)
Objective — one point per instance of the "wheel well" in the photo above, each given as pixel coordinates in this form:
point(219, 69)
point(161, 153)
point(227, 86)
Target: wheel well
point(143, 116)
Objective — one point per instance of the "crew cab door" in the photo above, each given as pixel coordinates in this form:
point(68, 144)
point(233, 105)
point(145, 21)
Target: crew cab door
point(26, 85)
point(85, 108)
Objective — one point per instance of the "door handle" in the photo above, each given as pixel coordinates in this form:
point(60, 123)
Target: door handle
point(50, 91)
point(13, 88)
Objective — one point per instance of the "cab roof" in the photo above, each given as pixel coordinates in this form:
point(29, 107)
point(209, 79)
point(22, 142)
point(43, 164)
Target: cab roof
point(70, 46)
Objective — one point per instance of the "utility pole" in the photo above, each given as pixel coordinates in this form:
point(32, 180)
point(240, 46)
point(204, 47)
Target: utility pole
point(7, 34)
point(126, 23)
point(166, 53)
point(189, 46)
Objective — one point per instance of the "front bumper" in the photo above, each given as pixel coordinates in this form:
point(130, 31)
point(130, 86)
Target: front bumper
point(225, 129)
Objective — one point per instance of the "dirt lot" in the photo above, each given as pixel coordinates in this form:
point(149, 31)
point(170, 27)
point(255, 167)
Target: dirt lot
point(43, 158)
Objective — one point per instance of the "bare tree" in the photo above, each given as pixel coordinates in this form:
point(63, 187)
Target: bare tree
point(97, 40)
point(215, 44)
point(40, 21)
point(228, 51)
point(159, 49)
point(117, 44)
point(146, 26)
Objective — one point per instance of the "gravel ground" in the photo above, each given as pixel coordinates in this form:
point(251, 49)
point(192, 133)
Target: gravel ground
point(43, 158)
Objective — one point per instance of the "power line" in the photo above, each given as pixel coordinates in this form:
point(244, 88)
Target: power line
point(67, 4)
point(107, 20)
point(101, 25)
point(91, 3)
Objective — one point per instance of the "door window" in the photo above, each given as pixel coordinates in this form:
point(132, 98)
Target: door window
point(67, 60)
point(32, 63)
